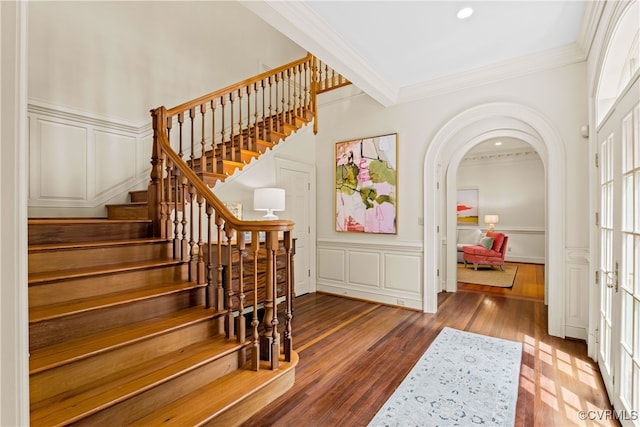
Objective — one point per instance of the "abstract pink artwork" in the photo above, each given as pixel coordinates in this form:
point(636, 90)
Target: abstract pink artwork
point(366, 176)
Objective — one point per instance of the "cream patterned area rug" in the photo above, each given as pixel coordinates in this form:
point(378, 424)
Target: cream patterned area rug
point(491, 276)
point(462, 379)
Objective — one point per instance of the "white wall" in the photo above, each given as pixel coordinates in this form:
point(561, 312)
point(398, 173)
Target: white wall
point(557, 94)
point(513, 188)
point(121, 59)
point(298, 147)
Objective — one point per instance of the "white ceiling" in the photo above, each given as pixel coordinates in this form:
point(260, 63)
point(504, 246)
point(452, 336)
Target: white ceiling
point(388, 47)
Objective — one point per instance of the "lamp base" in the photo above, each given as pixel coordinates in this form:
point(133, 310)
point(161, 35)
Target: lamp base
point(270, 215)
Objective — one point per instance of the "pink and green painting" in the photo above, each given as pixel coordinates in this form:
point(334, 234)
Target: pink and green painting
point(467, 206)
point(366, 176)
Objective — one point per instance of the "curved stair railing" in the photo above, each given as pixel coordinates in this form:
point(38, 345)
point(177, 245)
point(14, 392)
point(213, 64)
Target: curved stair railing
point(205, 140)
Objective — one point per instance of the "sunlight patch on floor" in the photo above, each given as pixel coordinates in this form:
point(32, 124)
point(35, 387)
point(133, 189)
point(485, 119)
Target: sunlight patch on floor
point(566, 402)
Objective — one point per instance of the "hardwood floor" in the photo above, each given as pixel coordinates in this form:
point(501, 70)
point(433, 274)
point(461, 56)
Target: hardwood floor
point(353, 354)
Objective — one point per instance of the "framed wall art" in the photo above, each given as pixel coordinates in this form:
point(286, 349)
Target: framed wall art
point(366, 178)
point(467, 206)
point(235, 208)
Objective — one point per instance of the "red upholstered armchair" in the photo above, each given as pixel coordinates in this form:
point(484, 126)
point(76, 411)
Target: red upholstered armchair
point(492, 255)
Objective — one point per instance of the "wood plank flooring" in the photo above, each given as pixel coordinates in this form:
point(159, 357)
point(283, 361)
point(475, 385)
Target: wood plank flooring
point(353, 355)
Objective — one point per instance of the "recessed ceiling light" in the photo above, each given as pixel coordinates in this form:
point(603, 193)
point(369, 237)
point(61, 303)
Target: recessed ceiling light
point(464, 13)
point(497, 143)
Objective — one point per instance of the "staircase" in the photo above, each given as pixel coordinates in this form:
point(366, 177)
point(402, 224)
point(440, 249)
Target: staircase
point(119, 336)
point(171, 311)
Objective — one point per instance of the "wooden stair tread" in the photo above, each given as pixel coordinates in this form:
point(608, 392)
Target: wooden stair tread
point(36, 278)
point(82, 220)
point(93, 244)
point(128, 204)
point(233, 162)
point(53, 311)
point(209, 401)
point(75, 404)
point(73, 350)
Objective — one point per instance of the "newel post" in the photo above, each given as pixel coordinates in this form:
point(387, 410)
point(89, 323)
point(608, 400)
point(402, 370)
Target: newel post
point(158, 117)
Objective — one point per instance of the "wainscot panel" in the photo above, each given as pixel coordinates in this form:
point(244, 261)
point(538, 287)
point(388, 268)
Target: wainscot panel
point(388, 273)
point(115, 157)
point(331, 263)
point(364, 268)
point(577, 297)
point(397, 267)
point(59, 170)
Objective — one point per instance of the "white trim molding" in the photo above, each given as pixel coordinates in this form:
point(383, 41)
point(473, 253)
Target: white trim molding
point(14, 320)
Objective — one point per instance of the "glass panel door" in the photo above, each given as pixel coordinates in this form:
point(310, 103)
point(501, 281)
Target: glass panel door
point(629, 374)
point(619, 263)
point(606, 325)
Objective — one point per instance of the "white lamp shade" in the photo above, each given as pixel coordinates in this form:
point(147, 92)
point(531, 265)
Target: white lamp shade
point(270, 200)
point(491, 219)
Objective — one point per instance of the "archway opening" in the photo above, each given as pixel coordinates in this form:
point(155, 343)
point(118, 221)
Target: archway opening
point(504, 177)
point(446, 151)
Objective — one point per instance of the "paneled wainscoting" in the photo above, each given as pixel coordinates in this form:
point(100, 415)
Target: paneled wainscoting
point(79, 161)
point(387, 273)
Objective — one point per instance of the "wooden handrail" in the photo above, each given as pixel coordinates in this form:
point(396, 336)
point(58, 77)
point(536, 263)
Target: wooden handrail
point(234, 87)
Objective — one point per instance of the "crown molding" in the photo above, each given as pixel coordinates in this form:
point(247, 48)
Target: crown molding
point(529, 64)
point(591, 17)
point(483, 158)
point(302, 24)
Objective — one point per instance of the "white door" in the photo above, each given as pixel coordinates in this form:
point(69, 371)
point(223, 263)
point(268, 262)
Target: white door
point(296, 180)
point(619, 269)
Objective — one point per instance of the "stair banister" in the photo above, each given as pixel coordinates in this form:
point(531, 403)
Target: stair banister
point(214, 135)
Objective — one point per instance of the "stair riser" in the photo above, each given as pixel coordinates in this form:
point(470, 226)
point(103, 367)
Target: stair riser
point(246, 408)
point(50, 332)
point(154, 399)
point(85, 287)
point(139, 196)
point(46, 233)
point(86, 371)
point(128, 212)
point(82, 257)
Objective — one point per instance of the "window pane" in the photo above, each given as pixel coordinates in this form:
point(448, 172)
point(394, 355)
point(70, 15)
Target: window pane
point(626, 330)
point(636, 267)
point(636, 333)
point(636, 203)
point(627, 143)
point(636, 388)
point(626, 268)
point(627, 203)
point(636, 136)
point(626, 368)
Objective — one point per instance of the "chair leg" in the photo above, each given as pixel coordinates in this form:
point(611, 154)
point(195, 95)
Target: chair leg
point(475, 266)
point(502, 267)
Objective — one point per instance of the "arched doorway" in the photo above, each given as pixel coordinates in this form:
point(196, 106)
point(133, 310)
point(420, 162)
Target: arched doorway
point(444, 154)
